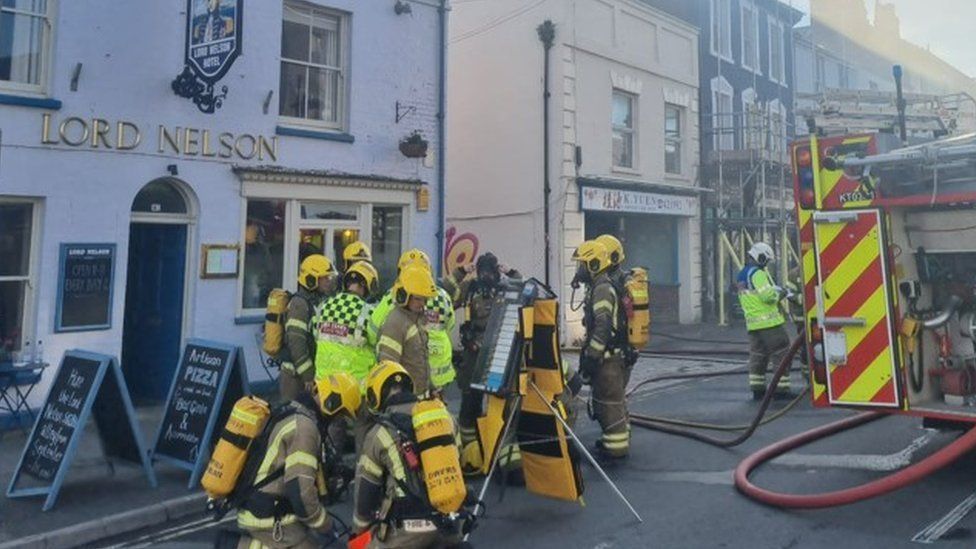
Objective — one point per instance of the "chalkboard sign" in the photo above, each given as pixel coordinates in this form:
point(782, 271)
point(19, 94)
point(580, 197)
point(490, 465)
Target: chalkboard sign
point(209, 379)
point(85, 382)
point(85, 287)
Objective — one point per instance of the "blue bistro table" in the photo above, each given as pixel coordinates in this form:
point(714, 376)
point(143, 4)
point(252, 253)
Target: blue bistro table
point(16, 384)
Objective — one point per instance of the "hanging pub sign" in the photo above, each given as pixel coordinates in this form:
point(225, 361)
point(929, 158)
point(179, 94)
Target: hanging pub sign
point(213, 42)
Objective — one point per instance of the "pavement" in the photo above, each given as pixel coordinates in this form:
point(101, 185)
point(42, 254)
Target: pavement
point(682, 489)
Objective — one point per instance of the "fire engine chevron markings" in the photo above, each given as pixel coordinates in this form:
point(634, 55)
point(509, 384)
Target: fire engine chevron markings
point(864, 462)
point(939, 528)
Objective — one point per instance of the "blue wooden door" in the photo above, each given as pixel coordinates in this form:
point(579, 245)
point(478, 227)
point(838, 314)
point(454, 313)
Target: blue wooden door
point(153, 309)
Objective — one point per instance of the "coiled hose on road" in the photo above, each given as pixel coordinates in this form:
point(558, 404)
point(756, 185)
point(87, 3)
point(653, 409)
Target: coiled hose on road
point(649, 422)
point(889, 483)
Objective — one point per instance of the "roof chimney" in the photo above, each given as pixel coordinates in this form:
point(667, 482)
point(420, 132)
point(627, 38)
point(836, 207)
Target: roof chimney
point(886, 20)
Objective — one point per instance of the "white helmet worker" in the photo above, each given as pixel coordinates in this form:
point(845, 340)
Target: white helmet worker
point(761, 253)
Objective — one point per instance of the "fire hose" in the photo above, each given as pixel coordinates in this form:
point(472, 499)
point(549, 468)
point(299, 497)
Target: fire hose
point(895, 481)
point(909, 475)
point(649, 422)
point(707, 426)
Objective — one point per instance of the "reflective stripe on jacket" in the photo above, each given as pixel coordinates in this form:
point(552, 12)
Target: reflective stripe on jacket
point(601, 310)
point(403, 339)
point(759, 299)
point(295, 444)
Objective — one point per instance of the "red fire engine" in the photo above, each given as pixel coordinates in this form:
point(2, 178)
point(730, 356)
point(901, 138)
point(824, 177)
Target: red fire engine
point(888, 240)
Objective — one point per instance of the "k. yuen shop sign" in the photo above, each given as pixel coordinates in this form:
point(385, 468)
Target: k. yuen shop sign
point(122, 135)
point(615, 200)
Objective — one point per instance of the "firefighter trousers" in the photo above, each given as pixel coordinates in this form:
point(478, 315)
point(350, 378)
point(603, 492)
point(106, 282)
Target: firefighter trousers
point(767, 346)
point(401, 539)
point(289, 383)
point(471, 401)
point(293, 536)
point(610, 405)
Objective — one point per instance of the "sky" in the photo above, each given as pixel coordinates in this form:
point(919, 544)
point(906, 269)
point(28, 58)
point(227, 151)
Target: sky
point(944, 26)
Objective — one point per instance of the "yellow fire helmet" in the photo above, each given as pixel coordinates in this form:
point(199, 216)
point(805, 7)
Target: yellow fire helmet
point(414, 280)
point(312, 269)
point(381, 378)
point(613, 246)
point(593, 255)
point(414, 256)
point(366, 273)
point(356, 252)
point(338, 393)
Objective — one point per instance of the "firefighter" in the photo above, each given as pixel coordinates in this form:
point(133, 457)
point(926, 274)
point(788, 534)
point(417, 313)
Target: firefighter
point(317, 280)
point(440, 315)
point(391, 504)
point(354, 253)
point(477, 294)
point(342, 339)
point(403, 336)
point(768, 340)
point(288, 512)
point(602, 361)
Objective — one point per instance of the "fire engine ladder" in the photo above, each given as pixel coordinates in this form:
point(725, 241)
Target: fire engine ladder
point(941, 164)
point(944, 153)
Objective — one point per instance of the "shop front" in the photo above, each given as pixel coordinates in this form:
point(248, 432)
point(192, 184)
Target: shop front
point(658, 230)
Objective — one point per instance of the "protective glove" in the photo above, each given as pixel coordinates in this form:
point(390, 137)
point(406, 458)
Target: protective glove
point(575, 383)
point(587, 368)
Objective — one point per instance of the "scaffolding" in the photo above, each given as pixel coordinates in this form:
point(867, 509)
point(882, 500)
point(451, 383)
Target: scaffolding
point(749, 170)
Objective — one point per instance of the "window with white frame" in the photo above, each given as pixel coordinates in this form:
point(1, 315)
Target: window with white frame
point(673, 118)
point(25, 40)
point(843, 76)
point(720, 19)
point(778, 128)
point(750, 36)
point(17, 243)
point(624, 129)
point(752, 121)
point(777, 55)
point(314, 53)
point(279, 234)
point(723, 124)
point(821, 73)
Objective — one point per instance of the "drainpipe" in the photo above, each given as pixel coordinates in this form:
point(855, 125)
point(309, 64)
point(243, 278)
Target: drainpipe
point(441, 141)
point(547, 33)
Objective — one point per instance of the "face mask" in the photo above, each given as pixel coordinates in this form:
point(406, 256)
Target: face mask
point(582, 277)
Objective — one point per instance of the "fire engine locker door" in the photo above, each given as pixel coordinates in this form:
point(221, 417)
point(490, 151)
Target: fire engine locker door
point(855, 307)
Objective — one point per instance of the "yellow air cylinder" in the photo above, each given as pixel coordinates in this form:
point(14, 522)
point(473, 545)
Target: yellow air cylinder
point(274, 325)
point(245, 423)
point(439, 458)
point(639, 312)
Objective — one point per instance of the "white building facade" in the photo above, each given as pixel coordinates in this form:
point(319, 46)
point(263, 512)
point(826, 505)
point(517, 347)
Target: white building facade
point(622, 142)
point(203, 213)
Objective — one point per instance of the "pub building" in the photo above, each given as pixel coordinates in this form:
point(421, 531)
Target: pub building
point(157, 180)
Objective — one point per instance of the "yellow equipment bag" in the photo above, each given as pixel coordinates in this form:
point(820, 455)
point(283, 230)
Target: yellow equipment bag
point(439, 456)
point(637, 304)
point(246, 422)
point(274, 321)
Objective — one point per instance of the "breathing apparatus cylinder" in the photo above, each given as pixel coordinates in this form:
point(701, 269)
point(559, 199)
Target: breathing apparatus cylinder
point(274, 325)
point(246, 421)
point(638, 308)
point(439, 457)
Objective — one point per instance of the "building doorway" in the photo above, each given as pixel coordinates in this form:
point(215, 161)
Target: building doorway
point(155, 293)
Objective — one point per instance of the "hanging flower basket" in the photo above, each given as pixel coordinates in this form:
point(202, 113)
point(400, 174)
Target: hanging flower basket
point(414, 145)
